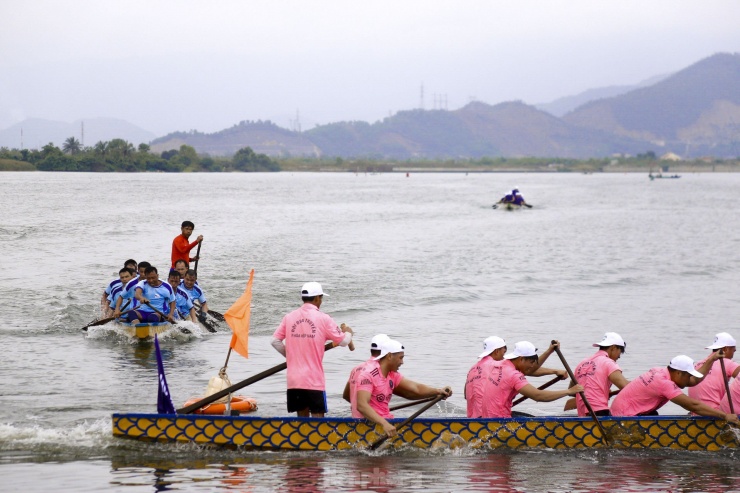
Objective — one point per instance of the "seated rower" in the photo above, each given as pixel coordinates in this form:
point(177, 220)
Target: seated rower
point(597, 373)
point(507, 199)
point(375, 344)
point(734, 395)
point(128, 298)
point(711, 390)
point(105, 304)
point(507, 378)
point(647, 393)
point(494, 349)
point(124, 276)
point(373, 383)
point(153, 295)
point(182, 267)
point(184, 308)
point(190, 285)
point(517, 199)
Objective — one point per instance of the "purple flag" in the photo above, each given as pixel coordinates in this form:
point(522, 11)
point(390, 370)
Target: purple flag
point(164, 401)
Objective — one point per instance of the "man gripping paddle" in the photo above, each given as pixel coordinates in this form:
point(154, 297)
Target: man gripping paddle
point(180, 245)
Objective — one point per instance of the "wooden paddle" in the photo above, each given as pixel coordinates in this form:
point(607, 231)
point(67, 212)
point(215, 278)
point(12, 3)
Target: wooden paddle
point(237, 386)
point(527, 205)
point(197, 256)
point(182, 329)
point(218, 316)
point(202, 319)
point(541, 387)
point(104, 321)
point(380, 441)
point(411, 403)
point(727, 384)
point(583, 394)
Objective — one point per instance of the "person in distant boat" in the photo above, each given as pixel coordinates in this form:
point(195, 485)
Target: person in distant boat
point(180, 245)
point(182, 267)
point(508, 198)
point(129, 291)
point(184, 308)
point(190, 285)
point(597, 373)
point(373, 383)
point(301, 338)
point(518, 199)
point(711, 390)
point(124, 276)
point(507, 378)
point(154, 296)
point(647, 393)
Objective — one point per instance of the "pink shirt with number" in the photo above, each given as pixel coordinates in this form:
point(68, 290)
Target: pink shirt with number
point(711, 391)
point(305, 332)
point(593, 373)
point(368, 377)
point(474, 386)
point(503, 383)
point(735, 394)
point(648, 392)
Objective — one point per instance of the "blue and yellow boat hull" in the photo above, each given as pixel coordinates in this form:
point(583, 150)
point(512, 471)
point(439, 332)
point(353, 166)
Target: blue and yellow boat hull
point(290, 433)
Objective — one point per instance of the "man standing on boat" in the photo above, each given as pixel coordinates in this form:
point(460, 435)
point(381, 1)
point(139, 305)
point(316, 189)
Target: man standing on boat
point(507, 378)
point(373, 383)
point(154, 296)
point(301, 337)
point(597, 373)
point(180, 245)
point(650, 391)
point(711, 390)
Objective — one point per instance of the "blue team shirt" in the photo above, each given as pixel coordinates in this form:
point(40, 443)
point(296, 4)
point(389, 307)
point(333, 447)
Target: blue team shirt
point(115, 294)
point(183, 303)
point(195, 294)
point(159, 297)
point(128, 293)
point(112, 285)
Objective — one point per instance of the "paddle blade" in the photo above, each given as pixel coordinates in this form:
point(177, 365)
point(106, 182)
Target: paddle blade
point(164, 400)
point(238, 319)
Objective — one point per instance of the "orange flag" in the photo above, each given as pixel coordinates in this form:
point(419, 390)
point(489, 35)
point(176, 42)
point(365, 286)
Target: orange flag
point(238, 319)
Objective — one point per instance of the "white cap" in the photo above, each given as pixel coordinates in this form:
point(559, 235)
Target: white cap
point(684, 363)
point(389, 346)
point(611, 339)
point(723, 339)
point(377, 341)
point(522, 349)
point(311, 289)
point(490, 345)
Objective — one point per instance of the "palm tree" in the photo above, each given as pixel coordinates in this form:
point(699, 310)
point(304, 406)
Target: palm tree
point(72, 146)
point(101, 148)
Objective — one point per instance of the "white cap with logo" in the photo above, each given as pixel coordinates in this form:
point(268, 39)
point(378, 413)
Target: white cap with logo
point(311, 289)
point(723, 339)
point(490, 345)
point(377, 341)
point(684, 363)
point(611, 339)
point(522, 349)
point(389, 346)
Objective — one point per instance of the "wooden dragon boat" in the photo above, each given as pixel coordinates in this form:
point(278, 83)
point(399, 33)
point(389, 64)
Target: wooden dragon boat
point(145, 330)
point(324, 434)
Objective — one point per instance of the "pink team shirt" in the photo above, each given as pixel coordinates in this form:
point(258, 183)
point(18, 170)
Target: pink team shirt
point(368, 377)
point(504, 381)
point(648, 392)
point(474, 386)
point(305, 332)
point(735, 394)
point(711, 391)
point(593, 373)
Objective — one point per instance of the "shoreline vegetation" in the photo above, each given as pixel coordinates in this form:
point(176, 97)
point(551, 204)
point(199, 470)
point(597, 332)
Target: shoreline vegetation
point(118, 155)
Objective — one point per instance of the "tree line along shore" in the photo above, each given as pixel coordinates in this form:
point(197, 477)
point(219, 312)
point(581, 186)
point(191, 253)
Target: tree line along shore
point(119, 155)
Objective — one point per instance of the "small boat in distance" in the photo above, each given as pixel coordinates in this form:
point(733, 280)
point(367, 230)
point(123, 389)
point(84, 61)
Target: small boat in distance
point(660, 175)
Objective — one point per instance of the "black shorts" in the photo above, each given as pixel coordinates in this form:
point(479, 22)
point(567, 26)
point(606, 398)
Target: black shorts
point(300, 399)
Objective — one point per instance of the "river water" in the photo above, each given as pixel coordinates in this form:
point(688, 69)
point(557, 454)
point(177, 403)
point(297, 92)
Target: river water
point(423, 258)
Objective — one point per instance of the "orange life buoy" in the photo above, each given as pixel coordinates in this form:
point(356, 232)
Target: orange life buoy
point(239, 403)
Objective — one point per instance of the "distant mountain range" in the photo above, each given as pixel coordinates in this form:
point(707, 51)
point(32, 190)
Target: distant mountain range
point(694, 112)
point(37, 132)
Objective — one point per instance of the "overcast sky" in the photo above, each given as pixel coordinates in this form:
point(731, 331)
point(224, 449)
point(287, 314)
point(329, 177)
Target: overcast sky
point(206, 65)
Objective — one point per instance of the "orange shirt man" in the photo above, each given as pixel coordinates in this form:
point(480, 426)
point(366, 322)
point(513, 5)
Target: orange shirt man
point(180, 245)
